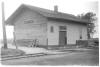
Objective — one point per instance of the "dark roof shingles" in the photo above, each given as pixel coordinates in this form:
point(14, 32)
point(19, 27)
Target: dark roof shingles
point(59, 15)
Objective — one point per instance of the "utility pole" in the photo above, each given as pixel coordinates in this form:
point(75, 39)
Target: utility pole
point(4, 28)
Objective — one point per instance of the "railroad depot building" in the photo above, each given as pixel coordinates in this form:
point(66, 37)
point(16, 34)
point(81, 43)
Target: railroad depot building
point(49, 27)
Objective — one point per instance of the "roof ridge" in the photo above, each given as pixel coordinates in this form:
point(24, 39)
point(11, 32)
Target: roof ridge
point(47, 9)
point(37, 7)
point(50, 11)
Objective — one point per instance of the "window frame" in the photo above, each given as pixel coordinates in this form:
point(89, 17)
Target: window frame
point(52, 29)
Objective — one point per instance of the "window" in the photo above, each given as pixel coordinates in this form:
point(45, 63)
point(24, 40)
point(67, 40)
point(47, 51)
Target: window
point(62, 28)
point(52, 29)
point(80, 32)
point(80, 36)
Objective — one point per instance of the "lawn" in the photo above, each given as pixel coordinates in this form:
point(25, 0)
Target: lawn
point(11, 52)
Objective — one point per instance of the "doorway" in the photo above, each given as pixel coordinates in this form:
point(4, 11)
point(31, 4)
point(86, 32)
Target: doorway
point(62, 36)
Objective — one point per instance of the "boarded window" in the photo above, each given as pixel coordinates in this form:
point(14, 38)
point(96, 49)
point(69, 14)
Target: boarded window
point(52, 29)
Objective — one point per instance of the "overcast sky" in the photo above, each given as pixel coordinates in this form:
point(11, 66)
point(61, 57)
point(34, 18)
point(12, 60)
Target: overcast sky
point(74, 7)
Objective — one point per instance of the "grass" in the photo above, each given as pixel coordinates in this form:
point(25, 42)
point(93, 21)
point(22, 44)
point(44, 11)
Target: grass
point(11, 52)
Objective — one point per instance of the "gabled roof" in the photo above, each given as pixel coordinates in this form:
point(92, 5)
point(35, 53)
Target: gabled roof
point(47, 13)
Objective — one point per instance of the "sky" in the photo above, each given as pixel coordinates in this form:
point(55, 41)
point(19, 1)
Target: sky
point(74, 7)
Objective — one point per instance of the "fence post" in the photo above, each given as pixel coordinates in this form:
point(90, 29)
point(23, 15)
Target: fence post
point(47, 43)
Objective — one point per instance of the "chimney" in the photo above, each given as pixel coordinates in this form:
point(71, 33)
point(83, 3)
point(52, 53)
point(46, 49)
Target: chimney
point(55, 8)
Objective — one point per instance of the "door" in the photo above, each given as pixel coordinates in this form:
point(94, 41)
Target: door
point(62, 38)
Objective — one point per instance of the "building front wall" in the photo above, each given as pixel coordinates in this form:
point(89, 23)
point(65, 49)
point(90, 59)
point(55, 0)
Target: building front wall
point(72, 32)
point(30, 25)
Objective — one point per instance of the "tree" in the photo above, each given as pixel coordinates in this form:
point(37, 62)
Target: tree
point(91, 18)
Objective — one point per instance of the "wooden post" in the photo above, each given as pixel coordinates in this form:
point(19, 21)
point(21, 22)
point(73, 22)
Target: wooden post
point(4, 28)
point(15, 40)
point(47, 43)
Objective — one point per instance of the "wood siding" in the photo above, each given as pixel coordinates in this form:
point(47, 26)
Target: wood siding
point(72, 32)
point(31, 25)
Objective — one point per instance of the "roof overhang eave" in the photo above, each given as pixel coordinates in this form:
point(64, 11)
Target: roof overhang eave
point(85, 22)
point(9, 24)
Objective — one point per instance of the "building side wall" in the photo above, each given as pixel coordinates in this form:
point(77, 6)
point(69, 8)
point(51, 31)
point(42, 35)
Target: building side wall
point(73, 32)
point(31, 25)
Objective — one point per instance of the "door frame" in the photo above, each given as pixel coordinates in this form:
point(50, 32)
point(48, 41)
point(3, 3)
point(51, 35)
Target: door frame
point(65, 30)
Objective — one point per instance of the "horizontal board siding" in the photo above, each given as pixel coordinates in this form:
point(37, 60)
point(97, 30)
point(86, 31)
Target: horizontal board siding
point(36, 29)
point(72, 30)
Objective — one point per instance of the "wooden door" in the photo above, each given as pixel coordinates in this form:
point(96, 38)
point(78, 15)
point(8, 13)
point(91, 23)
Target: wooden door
point(62, 38)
